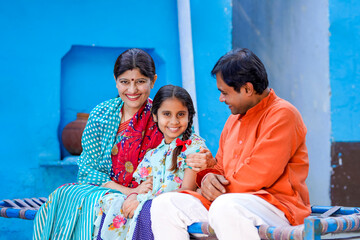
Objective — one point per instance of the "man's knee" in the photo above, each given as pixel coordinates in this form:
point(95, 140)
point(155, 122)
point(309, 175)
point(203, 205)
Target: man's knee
point(172, 205)
point(162, 202)
point(221, 205)
point(227, 205)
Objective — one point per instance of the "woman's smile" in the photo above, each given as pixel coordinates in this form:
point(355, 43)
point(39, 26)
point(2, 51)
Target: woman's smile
point(133, 97)
point(134, 89)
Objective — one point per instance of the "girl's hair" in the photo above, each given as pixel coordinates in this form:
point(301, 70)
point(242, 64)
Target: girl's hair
point(135, 58)
point(171, 91)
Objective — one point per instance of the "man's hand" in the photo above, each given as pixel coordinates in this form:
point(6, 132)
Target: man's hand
point(213, 186)
point(201, 160)
point(145, 186)
point(129, 206)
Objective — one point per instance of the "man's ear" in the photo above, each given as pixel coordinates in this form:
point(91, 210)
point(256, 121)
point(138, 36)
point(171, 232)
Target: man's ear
point(249, 88)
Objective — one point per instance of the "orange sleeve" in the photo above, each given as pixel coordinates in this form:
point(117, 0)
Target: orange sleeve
point(281, 133)
point(201, 174)
point(218, 168)
point(219, 155)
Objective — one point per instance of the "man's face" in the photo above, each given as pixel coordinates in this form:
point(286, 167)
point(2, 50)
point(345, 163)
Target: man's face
point(238, 102)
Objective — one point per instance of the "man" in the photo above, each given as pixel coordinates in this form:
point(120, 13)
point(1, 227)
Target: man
point(262, 162)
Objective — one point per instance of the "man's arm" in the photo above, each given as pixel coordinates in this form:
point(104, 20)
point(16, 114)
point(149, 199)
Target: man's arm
point(212, 181)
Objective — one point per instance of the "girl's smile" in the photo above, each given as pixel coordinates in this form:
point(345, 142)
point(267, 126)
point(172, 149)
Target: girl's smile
point(172, 118)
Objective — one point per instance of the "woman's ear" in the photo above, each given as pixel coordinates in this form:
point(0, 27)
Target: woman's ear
point(155, 118)
point(115, 78)
point(153, 81)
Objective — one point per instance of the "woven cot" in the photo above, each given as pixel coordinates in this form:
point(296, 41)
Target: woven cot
point(21, 208)
point(324, 220)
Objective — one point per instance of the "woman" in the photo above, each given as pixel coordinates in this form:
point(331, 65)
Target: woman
point(116, 137)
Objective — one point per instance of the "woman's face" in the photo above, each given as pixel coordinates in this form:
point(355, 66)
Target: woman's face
point(134, 89)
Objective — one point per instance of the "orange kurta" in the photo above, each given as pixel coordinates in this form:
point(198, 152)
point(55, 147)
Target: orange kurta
point(263, 152)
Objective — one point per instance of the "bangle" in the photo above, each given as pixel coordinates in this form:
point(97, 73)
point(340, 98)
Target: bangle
point(131, 194)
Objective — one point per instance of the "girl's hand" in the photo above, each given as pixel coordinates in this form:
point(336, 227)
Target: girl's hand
point(129, 206)
point(145, 186)
point(201, 160)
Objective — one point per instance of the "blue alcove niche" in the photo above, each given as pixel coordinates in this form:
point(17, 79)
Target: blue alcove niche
point(87, 80)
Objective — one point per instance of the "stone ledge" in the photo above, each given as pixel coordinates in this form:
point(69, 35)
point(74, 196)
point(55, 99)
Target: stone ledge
point(68, 161)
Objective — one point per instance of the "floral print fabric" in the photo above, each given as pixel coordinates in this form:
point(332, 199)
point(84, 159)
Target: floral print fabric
point(155, 164)
point(140, 135)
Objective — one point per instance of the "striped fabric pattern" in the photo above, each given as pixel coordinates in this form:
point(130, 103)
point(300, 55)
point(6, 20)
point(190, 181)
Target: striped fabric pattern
point(68, 213)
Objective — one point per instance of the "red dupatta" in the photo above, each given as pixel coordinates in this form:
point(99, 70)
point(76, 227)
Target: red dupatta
point(140, 135)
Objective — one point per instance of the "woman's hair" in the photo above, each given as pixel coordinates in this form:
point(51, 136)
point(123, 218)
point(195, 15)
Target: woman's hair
point(171, 91)
point(135, 58)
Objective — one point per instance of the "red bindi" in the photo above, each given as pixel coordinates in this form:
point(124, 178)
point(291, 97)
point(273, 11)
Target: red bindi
point(132, 79)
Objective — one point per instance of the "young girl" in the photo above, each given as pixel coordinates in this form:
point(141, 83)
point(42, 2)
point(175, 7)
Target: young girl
point(173, 112)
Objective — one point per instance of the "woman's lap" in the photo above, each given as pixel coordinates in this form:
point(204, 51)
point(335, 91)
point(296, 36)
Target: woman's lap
point(68, 213)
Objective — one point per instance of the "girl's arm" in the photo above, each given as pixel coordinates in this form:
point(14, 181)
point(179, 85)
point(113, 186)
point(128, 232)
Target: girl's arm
point(189, 181)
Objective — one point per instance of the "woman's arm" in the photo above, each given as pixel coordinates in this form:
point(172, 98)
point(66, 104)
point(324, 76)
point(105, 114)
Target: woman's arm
point(93, 167)
point(89, 171)
point(144, 187)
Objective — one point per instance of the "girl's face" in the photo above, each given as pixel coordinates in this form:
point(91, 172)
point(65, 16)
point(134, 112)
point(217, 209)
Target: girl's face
point(134, 89)
point(172, 118)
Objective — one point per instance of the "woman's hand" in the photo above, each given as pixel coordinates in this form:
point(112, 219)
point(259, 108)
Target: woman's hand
point(201, 160)
point(129, 206)
point(145, 186)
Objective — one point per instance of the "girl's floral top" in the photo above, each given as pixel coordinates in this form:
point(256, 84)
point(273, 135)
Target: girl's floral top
point(157, 162)
point(110, 222)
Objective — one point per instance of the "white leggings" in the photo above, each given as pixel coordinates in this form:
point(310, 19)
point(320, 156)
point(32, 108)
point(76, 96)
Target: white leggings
point(232, 215)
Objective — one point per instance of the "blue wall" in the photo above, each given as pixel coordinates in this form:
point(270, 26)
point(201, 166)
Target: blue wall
point(345, 70)
point(211, 28)
point(42, 41)
point(345, 101)
point(291, 38)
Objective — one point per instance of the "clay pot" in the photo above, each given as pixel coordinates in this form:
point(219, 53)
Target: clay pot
point(72, 132)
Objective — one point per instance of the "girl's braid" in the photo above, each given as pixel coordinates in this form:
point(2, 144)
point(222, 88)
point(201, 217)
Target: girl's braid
point(177, 150)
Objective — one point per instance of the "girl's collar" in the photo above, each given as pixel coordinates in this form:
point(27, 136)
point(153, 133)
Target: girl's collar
point(173, 142)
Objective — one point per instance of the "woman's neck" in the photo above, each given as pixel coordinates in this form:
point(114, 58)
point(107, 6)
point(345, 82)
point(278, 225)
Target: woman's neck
point(128, 113)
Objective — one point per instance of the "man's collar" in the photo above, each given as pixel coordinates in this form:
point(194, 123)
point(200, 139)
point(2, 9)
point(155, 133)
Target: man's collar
point(261, 105)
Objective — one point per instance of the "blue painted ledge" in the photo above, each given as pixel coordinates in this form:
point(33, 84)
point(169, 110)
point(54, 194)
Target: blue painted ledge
point(66, 162)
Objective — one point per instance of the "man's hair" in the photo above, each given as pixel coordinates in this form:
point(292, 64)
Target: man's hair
point(240, 66)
